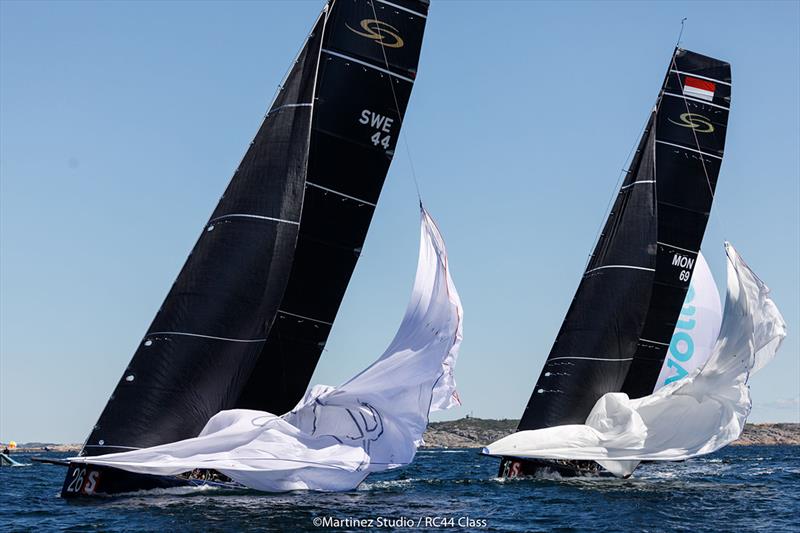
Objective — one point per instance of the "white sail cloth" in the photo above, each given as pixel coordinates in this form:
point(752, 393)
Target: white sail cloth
point(692, 341)
point(336, 436)
point(697, 329)
point(694, 416)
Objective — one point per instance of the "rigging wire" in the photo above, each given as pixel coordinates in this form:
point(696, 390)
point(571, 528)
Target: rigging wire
point(628, 160)
point(694, 133)
point(712, 221)
point(678, 42)
point(399, 114)
point(620, 178)
point(674, 66)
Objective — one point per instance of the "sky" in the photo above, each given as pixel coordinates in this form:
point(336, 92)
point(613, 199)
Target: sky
point(121, 124)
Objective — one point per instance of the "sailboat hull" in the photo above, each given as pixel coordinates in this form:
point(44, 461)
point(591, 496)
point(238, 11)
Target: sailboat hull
point(513, 467)
point(85, 481)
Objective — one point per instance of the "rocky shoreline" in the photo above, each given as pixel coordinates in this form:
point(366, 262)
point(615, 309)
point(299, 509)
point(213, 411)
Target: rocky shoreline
point(478, 432)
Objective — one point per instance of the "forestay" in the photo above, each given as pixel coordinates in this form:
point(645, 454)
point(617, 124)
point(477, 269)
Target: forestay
point(694, 416)
point(336, 436)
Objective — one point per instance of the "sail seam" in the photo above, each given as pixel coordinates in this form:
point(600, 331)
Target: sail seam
point(654, 342)
point(621, 266)
point(305, 317)
point(690, 149)
point(635, 182)
point(694, 133)
point(260, 217)
point(302, 104)
point(697, 76)
point(339, 193)
point(697, 100)
point(152, 333)
point(590, 358)
point(370, 65)
point(679, 248)
point(401, 8)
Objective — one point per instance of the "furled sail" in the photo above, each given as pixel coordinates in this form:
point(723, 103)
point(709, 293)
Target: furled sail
point(248, 316)
point(694, 416)
point(619, 324)
point(336, 436)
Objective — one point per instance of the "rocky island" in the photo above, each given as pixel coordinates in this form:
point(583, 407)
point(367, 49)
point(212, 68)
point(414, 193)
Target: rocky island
point(478, 432)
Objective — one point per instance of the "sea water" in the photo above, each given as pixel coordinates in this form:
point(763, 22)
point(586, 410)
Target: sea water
point(754, 488)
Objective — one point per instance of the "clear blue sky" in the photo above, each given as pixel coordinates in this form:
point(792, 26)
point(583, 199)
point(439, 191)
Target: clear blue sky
point(122, 123)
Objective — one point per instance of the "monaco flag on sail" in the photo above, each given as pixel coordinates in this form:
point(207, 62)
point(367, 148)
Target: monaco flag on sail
point(701, 89)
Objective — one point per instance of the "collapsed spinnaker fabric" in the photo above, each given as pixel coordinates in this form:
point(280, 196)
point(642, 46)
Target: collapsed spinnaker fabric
point(694, 416)
point(336, 436)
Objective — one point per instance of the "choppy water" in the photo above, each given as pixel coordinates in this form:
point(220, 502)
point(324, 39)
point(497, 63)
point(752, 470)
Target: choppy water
point(737, 489)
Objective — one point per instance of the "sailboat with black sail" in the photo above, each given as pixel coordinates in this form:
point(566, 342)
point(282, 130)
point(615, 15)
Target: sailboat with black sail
point(619, 325)
point(245, 322)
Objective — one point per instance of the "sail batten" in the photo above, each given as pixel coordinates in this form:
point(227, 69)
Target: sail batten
point(597, 339)
point(690, 141)
point(359, 106)
point(209, 332)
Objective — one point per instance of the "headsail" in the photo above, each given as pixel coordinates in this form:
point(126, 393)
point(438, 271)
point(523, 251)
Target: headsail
point(207, 336)
point(248, 316)
point(336, 436)
point(620, 322)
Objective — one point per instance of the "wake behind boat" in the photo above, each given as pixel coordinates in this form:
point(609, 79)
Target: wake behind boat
point(6, 460)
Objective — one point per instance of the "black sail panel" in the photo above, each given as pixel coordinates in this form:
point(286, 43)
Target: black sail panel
point(690, 142)
point(598, 337)
point(618, 328)
point(367, 69)
point(206, 338)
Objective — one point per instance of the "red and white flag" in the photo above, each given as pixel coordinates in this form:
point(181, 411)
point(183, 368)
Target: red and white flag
point(702, 89)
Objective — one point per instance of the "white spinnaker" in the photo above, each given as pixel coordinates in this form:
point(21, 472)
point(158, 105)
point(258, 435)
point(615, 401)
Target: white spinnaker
point(692, 342)
point(694, 416)
point(697, 328)
point(336, 436)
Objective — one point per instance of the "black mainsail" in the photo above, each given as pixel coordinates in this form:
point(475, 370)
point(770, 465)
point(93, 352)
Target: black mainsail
point(618, 327)
point(692, 123)
point(370, 53)
point(246, 320)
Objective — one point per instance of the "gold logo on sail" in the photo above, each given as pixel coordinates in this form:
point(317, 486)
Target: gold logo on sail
point(698, 123)
point(382, 33)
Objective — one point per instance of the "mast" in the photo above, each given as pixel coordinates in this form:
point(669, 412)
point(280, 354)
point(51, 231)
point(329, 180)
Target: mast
point(618, 327)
